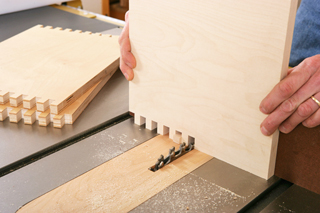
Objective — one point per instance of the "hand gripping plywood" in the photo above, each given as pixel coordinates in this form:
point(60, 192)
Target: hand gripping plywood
point(203, 68)
point(47, 67)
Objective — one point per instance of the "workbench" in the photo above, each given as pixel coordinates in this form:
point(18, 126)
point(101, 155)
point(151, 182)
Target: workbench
point(35, 160)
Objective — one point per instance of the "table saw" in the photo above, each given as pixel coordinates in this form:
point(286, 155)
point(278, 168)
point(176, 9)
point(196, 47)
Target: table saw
point(35, 160)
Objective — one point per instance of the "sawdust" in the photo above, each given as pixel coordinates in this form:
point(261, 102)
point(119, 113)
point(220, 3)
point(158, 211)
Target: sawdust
point(113, 144)
point(193, 194)
point(110, 145)
point(286, 209)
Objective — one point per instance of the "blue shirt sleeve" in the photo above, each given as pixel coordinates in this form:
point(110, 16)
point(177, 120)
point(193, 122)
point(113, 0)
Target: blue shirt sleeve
point(306, 35)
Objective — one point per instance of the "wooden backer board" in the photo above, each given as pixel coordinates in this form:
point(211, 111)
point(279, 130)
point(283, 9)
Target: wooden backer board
point(298, 159)
point(203, 70)
point(120, 184)
point(53, 67)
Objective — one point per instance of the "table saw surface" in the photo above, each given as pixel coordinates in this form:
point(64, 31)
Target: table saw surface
point(35, 160)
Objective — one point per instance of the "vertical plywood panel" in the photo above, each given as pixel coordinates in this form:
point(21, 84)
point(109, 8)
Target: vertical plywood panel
point(204, 66)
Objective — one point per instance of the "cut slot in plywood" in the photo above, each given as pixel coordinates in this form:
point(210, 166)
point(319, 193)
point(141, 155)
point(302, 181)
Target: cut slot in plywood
point(120, 184)
point(203, 70)
point(54, 67)
point(162, 130)
point(151, 125)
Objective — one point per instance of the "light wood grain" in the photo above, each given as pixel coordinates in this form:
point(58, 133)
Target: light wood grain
point(72, 112)
point(67, 116)
point(74, 11)
point(54, 66)
point(203, 70)
point(105, 7)
point(120, 184)
point(15, 114)
point(4, 111)
point(30, 116)
point(4, 97)
point(44, 118)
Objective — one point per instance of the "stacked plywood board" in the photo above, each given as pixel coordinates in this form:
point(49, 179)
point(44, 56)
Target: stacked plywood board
point(53, 74)
point(203, 69)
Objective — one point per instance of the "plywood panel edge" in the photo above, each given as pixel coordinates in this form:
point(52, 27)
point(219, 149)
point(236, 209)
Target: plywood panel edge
point(285, 64)
point(291, 20)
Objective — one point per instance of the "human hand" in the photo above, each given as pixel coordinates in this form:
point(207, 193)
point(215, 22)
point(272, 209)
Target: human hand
point(289, 102)
point(127, 60)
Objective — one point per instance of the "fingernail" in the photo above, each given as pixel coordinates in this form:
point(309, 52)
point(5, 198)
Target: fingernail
point(126, 75)
point(304, 123)
point(263, 110)
point(283, 129)
point(264, 131)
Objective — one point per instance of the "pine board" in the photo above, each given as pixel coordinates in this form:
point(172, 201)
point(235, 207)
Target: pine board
point(120, 184)
point(53, 67)
point(203, 69)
